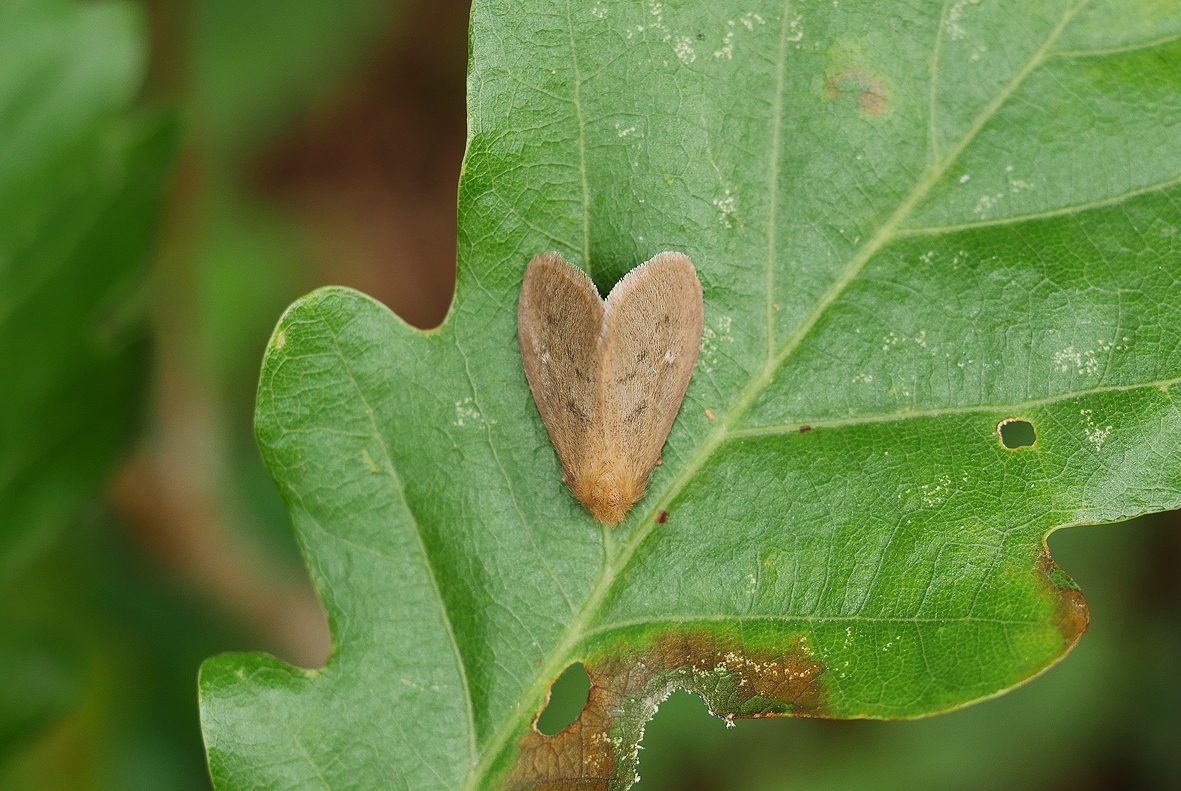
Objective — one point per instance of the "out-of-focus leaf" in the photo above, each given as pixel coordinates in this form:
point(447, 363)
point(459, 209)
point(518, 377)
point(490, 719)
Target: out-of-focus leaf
point(80, 192)
point(899, 251)
point(42, 680)
point(255, 62)
point(99, 653)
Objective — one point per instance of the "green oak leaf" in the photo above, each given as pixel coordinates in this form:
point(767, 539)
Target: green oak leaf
point(81, 183)
point(911, 224)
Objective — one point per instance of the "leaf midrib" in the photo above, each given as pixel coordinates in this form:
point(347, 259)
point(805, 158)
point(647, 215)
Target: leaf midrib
point(577, 628)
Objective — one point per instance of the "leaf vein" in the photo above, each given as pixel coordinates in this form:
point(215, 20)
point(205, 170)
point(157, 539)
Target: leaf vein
point(966, 409)
point(1074, 208)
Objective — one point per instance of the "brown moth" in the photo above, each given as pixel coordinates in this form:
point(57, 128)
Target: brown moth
point(609, 375)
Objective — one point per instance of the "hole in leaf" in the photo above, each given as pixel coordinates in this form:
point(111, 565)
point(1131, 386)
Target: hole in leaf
point(1016, 433)
point(567, 698)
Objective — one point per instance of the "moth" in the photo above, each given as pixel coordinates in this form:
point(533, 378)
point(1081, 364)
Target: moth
point(608, 375)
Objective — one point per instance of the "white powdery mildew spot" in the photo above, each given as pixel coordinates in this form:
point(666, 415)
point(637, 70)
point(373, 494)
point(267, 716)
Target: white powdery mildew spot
point(1094, 434)
point(624, 131)
point(863, 378)
point(1017, 185)
point(986, 203)
point(955, 19)
point(749, 20)
point(935, 493)
point(599, 10)
point(919, 339)
point(725, 205)
point(1014, 186)
point(727, 50)
point(683, 46)
point(1084, 362)
point(466, 413)
point(656, 10)
point(795, 33)
point(711, 338)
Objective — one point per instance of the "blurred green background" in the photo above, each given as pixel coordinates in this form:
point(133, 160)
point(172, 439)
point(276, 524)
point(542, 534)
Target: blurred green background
point(174, 173)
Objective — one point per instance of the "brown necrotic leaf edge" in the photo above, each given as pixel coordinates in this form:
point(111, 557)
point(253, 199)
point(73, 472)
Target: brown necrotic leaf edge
point(600, 749)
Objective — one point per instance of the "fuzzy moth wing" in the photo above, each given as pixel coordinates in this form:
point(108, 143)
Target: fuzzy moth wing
point(652, 332)
point(558, 320)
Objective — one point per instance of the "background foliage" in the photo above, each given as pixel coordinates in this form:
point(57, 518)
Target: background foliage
point(341, 168)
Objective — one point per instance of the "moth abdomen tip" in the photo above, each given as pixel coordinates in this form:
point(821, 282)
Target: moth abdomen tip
point(608, 493)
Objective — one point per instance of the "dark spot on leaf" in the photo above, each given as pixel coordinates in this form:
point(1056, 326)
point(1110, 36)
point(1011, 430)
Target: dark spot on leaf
point(599, 750)
point(1014, 433)
point(1071, 614)
point(662, 517)
point(700, 36)
point(804, 429)
point(855, 83)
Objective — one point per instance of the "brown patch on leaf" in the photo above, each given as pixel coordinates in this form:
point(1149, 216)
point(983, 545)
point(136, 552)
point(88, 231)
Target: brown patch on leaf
point(854, 82)
point(599, 750)
point(1071, 614)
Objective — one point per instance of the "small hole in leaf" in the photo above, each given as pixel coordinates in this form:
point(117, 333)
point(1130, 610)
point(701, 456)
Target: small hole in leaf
point(567, 698)
point(1016, 433)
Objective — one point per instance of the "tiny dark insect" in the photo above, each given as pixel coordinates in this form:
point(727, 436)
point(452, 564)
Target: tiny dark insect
point(804, 429)
point(662, 517)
